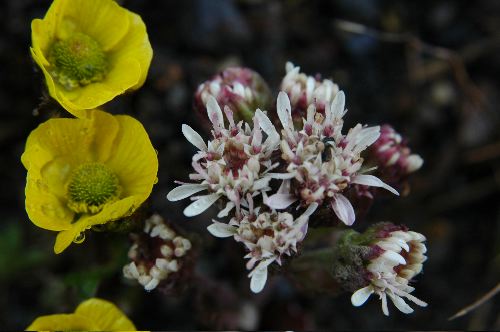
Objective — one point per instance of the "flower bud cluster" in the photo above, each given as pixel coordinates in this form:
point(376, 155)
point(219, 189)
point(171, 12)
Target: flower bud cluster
point(156, 254)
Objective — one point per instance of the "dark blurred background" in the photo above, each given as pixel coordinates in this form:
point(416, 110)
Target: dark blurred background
point(430, 68)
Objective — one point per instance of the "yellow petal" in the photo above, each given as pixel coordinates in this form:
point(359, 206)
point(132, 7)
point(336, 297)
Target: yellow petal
point(44, 208)
point(62, 322)
point(134, 160)
point(106, 129)
point(103, 20)
point(42, 36)
point(110, 212)
point(105, 315)
point(123, 74)
point(135, 45)
point(61, 137)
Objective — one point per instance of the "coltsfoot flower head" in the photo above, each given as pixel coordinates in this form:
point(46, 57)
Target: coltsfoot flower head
point(90, 51)
point(157, 254)
point(305, 90)
point(392, 155)
point(234, 163)
point(241, 89)
point(267, 236)
point(91, 315)
point(87, 172)
point(321, 162)
point(381, 261)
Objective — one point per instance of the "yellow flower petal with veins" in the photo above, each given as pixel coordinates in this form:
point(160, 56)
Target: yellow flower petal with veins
point(56, 151)
point(91, 315)
point(119, 33)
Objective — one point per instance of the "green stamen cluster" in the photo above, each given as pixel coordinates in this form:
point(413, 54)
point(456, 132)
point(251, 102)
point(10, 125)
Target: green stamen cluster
point(78, 60)
point(91, 186)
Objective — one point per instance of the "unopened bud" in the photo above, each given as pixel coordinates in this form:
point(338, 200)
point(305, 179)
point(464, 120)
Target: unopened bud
point(241, 89)
point(304, 90)
point(382, 260)
point(152, 254)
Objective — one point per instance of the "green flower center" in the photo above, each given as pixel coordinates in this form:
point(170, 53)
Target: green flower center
point(78, 60)
point(91, 186)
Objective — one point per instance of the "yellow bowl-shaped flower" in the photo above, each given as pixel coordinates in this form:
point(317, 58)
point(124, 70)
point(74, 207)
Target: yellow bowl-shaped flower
point(91, 315)
point(90, 51)
point(87, 172)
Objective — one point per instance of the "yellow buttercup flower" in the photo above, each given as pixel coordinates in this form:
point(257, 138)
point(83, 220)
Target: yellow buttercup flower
point(91, 315)
point(90, 51)
point(87, 172)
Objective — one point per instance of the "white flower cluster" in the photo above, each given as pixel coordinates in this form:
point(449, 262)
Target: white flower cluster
point(317, 163)
point(321, 161)
point(164, 260)
point(403, 253)
point(235, 163)
point(266, 235)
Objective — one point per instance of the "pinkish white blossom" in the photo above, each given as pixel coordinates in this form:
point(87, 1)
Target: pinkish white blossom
point(233, 164)
point(305, 90)
point(267, 236)
point(400, 255)
point(156, 254)
point(321, 161)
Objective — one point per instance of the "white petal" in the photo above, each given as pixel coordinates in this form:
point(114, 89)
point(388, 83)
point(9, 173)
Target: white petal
point(400, 304)
point(281, 176)
point(310, 210)
point(200, 205)
point(259, 278)
point(385, 310)
point(284, 109)
point(360, 296)
point(343, 209)
point(309, 87)
point(193, 137)
point(267, 126)
point(214, 112)
point(184, 191)
point(280, 201)
point(219, 229)
point(414, 163)
point(224, 212)
point(366, 137)
point(152, 284)
point(338, 105)
point(373, 181)
point(394, 257)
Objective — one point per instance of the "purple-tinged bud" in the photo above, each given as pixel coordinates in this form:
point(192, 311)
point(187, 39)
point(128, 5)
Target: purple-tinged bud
point(383, 261)
point(158, 255)
point(392, 155)
point(242, 89)
point(304, 90)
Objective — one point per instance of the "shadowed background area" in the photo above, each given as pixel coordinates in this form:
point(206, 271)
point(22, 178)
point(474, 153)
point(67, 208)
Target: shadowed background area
point(433, 74)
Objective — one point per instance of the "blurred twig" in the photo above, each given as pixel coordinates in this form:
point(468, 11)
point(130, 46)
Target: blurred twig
point(420, 72)
point(476, 304)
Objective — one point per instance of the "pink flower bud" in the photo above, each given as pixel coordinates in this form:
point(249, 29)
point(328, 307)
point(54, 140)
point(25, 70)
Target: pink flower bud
point(241, 89)
point(392, 155)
